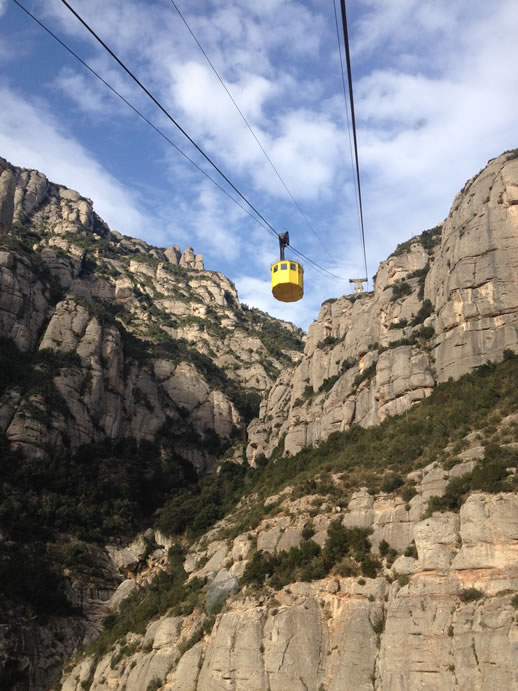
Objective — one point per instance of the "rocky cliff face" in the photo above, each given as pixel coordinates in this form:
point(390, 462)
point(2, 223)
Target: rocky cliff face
point(325, 585)
point(440, 615)
point(105, 339)
point(152, 339)
point(444, 303)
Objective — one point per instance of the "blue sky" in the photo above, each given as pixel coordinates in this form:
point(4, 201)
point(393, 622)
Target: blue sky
point(436, 95)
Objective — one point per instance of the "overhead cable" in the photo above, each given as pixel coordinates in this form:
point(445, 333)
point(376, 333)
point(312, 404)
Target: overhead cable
point(166, 113)
point(267, 226)
point(316, 266)
point(141, 115)
point(353, 121)
point(252, 132)
point(346, 112)
point(170, 117)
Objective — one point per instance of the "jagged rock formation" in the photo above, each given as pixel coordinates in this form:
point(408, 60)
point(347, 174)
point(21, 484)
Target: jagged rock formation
point(72, 286)
point(119, 339)
point(440, 618)
point(105, 338)
point(444, 303)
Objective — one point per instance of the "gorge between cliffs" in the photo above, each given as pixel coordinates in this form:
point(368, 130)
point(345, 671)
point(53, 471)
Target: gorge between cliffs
point(197, 496)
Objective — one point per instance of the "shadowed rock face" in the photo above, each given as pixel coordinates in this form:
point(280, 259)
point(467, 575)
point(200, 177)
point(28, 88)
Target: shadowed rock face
point(444, 303)
point(70, 285)
point(118, 340)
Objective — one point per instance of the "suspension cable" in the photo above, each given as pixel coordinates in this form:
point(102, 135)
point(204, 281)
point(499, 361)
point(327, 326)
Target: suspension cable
point(166, 113)
point(252, 132)
point(353, 120)
point(347, 114)
point(267, 226)
point(141, 115)
point(170, 117)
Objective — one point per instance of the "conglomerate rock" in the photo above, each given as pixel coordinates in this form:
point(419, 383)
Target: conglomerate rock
point(72, 287)
point(415, 626)
point(100, 306)
point(443, 304)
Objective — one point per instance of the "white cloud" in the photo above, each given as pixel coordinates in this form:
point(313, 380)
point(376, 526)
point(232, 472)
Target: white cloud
point(307, 153)
point(428, 125)
point(436, 96)
point(84, 91)
point(214, 224)
point(239, 40)
point(257, 292)
point(208, 108)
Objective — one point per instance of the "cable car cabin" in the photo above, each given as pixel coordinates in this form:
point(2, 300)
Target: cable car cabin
point(287, 280)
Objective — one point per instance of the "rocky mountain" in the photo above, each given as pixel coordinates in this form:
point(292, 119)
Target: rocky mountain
point(442, 615)
point(444, 302)
point(382, 554)
point(141, 339)
point(112, 352)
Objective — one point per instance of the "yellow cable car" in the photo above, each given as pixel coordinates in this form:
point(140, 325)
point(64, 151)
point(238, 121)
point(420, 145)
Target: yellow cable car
point(287, 275)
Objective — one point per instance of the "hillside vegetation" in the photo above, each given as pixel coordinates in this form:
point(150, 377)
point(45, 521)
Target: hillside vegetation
point(379, 458)
point(178, 468)
point(110, 490)
point(481, 405)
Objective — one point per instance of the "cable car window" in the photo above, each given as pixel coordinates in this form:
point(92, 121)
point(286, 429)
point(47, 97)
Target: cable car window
point(300, 270)
point(284, 267)
point(293, 267)
point(275, 268)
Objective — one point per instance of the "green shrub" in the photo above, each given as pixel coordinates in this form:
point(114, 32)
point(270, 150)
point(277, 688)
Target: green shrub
point(399, 324)
point(329, 341)
point(383, 548)
point(425, 311)
point(420, 273)
point(257, 569)
point(299, 563)
point(379, 625)
point(367, 373)
point(328, 383)
point(489, 475)
point(308, 531)
point(453, 497)
point(346, 365)
point(347, 550)
point(470, 595)
point(343, 542)
point(411, 550)
point(426, 332)
point(391, 482)
point(168, 592)
point(407, 492)
point(400, 289)
point(428, 239)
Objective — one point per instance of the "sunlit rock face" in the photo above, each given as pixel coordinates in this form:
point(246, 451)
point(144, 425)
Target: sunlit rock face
point(444, 303)
point(106, 339)
point(442, 618)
